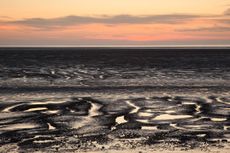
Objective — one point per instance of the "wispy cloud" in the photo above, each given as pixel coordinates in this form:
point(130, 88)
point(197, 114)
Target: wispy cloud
point(207, 29)
point(119, 29)
point(227, 12)
point(217, 23)
point(225, 21)
point(5, 17)
point(119, 19)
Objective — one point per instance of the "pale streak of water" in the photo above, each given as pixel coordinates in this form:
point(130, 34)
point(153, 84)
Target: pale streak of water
point(198, 107)
point(18, 126)
point(218, 119)
point(171, 117)
point(89, 118)
point(36, 109)
point(120, 120)
point(50, 127)
point(9, 108)
point(149, 128)
point(135, 108)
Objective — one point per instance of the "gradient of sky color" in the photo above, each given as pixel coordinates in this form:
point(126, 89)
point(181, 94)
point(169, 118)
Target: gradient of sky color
point(114, 22)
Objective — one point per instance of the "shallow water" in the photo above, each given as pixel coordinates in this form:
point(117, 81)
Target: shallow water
point(113, 67)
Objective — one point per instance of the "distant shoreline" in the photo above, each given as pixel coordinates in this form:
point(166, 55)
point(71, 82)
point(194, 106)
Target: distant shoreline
point(178, 49)
point(121, 46)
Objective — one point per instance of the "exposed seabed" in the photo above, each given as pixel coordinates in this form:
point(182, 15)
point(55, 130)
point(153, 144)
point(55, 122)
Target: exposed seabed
point(137, 120)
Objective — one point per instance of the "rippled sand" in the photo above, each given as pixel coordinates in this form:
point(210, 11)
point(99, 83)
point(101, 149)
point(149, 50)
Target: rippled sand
point(110, 122)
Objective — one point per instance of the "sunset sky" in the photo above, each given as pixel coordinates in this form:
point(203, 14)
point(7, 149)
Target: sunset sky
point(114, 22)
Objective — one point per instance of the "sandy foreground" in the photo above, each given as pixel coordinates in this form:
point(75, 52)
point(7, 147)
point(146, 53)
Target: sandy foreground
point(211, 149)
point(110, 122)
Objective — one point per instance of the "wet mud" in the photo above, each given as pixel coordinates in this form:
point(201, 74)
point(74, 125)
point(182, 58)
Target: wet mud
point(86, 123)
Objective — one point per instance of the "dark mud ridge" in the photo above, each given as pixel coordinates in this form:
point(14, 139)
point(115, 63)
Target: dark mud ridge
point(85, 123)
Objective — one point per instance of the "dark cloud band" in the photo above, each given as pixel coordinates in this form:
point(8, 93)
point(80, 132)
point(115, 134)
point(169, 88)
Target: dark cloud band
point(120, 19)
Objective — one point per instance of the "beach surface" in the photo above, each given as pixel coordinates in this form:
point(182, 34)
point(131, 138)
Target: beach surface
point(114, 100)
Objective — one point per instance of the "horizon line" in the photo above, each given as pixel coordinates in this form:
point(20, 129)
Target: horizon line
point(115, 46)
